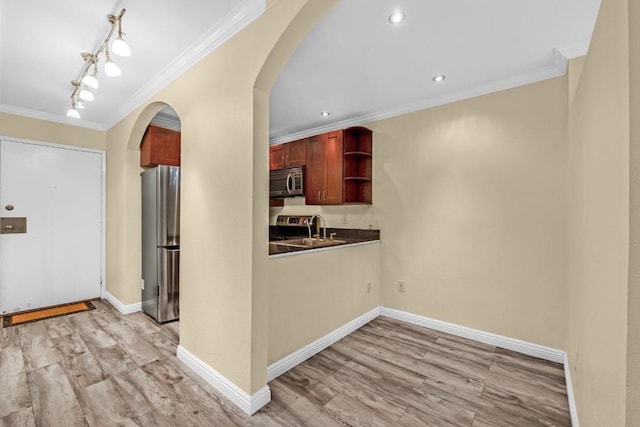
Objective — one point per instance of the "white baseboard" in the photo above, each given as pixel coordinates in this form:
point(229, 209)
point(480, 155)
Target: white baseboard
point(573, 409)
point(524, 347)
point(292, 360)
point(252, 403)
point(124, 309)
point(247, 403)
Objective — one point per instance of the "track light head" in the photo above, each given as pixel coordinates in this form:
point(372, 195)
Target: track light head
point(111, 69)
point(86, 95)
point(72, 112)
point(91, 74)
point(120, 47)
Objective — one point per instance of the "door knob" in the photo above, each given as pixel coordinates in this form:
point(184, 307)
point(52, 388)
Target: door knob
point(9, 207)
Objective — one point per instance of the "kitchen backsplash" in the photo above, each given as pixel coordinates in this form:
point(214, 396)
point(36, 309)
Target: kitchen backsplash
point(357, 216)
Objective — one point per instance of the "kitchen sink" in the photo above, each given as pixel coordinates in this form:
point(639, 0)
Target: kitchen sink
point(308, 243)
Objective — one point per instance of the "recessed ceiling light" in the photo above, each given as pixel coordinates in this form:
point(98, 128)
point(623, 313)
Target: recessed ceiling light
point(439, 78)
point(397, 17)
point(325, 113)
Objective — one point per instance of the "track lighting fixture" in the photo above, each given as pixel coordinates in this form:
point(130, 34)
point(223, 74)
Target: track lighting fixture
point(88, 77)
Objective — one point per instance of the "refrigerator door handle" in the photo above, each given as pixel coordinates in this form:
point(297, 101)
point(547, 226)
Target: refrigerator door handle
point(174, 282)
point(169, 284)
point(168, 205)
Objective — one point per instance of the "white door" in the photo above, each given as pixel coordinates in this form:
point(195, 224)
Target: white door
point(59, 258)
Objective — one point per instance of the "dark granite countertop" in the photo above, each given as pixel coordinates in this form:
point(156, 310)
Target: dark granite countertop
point(348, 236)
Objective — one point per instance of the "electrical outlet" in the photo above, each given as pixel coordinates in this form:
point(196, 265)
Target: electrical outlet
point(369, 287)
point(142, 284)
point(345, 219)
point(401, 286)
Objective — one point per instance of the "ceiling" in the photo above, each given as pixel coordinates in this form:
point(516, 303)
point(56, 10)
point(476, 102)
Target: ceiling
point(354, 63)
point(360, 68)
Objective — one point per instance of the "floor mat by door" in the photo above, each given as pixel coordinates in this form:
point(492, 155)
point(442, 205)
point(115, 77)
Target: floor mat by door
point(45, 313)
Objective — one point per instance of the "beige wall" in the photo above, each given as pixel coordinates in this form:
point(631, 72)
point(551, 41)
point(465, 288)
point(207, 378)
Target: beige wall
point(633, 353)
point(313, 294)
point(46, 131)
point(598, 178)
point(471, 203)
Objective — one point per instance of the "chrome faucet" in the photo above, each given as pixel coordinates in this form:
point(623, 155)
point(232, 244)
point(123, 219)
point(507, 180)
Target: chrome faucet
point(318, 226)
point(308, 222)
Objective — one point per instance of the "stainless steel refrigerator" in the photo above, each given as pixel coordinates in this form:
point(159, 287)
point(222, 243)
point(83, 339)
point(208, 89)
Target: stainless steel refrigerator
point(161, 242)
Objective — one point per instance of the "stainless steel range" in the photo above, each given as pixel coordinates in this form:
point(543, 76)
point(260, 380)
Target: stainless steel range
point(293, 220)
point(291, 226)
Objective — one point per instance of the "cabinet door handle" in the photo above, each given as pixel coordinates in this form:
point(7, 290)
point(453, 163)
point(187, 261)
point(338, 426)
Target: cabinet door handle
point(286, 161)
point(324, 195)
point(319, 195)
point(283, 160)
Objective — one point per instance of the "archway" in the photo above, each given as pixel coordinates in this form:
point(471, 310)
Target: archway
point(143, 120)
point(157, 134)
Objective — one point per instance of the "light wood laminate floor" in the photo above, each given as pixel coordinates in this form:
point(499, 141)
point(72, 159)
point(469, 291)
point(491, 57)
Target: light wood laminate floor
point(100, 368)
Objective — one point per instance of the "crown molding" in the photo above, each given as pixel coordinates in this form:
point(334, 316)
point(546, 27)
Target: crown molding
point(270, 3)
point(34, 114)
point(575, 50)
point(234, 21)
point(540, 74)
point(166, 123)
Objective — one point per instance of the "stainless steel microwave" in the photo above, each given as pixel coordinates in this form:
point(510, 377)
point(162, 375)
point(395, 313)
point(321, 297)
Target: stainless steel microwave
point(287, 182)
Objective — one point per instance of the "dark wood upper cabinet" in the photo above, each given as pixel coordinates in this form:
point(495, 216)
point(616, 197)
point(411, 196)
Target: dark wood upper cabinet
point(332, 194)
point(287, 155)
point(295, 155)
point(276, 157)
point(314, 170)
point(160, 146)
point(323, 172)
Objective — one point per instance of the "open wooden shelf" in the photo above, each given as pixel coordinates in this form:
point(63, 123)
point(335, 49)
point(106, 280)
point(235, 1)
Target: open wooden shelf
point(357, 165)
